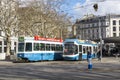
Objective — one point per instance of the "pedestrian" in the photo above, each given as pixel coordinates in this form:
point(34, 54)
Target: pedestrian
point(98, 54)
point(116, 53)
point(88, 54)
point(89, 59)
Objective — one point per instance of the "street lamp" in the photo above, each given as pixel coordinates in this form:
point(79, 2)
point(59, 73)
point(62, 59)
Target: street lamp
point(95, 6)
point(100, 36)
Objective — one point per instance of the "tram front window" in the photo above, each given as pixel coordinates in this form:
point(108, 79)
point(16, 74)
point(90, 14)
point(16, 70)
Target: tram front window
point(70, 49)
point(20, 47)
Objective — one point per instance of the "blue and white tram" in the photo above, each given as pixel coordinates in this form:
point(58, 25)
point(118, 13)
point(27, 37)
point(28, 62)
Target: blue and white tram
point(75, 49)
point(38, 49)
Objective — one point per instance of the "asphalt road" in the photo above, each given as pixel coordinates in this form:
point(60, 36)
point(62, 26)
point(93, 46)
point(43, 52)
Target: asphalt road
point(61, 70)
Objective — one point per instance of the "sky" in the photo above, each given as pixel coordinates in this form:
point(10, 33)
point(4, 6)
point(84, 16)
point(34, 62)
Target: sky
point(79, 8)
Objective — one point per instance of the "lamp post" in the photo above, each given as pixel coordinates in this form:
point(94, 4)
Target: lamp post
point(100, 37)
point(95, 6)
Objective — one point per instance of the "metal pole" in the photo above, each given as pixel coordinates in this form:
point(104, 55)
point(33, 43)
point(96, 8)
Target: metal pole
point(100, 36)
point(61, 33)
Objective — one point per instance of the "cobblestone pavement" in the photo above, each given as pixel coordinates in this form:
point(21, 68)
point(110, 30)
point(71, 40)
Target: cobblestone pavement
point(108, 68)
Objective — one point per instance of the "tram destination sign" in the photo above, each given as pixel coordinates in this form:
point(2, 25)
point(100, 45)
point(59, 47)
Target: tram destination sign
point(21, 39)
point(47, 39)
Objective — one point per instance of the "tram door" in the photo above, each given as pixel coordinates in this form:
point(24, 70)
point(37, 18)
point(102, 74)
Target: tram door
point(80, 52)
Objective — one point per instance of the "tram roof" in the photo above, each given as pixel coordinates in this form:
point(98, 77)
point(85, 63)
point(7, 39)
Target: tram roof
point(32, 39)
point(80, 41)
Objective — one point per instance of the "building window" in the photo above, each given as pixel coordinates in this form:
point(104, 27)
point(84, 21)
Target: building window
point(101, 23)
point(97, 30)
point(88, 31)
point(93, 25)
point(114, 34)
point(5, 42)
point(93, 30)
point(119, 28)
point(97, 24)
point(0, 46)
point(88, 25)
point(0, 33)
point(119, 22)
point(114, 22)
point(101, 29)
point(5, 46)
point(5, 49)
point(114, 28)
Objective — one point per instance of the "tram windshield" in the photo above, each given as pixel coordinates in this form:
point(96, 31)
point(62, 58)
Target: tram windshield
point(70, 49)
point(20, 47)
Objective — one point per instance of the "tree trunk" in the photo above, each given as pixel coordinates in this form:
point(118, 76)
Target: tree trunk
point(8, 48)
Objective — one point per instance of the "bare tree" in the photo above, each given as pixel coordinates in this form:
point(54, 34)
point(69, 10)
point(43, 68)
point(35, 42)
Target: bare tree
point(43, 18)
point(8, 20)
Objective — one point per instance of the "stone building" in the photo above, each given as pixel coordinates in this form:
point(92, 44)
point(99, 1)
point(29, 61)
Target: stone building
point(91, 28)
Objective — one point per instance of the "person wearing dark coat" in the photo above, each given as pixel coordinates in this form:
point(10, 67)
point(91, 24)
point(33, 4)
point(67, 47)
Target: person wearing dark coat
point(88, 54)
point(98, 54)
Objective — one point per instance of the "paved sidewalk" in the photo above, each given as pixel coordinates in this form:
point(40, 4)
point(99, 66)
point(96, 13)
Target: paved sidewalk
point(4, 62)
point(108, 60)
point(104, 60)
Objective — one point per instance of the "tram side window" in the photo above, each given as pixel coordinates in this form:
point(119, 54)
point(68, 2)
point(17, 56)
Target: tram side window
point(90, 49)
point(80, 48)
point(42, 46)
point(83, 49)
point(87, 48)
point(21, 47)
point(94, 49)
point(53, 47)
point(28, 47)
point(47, 47)
point(36, 46)
point(75, 49)
point(59, 47)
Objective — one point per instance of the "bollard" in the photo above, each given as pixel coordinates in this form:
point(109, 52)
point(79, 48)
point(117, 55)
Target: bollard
point(89, 62)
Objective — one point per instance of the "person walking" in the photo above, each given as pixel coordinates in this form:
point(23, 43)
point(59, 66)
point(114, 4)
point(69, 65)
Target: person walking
point(98, 54)
point(89, 59)
point(88, 54)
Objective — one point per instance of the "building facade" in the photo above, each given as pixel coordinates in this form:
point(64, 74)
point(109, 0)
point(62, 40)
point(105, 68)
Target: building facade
point(94, 27)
